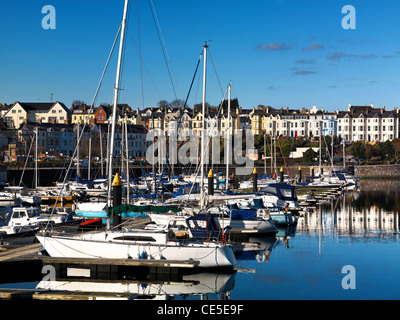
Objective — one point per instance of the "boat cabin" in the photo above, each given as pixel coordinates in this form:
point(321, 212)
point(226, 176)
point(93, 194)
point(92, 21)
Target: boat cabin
point(283, 191)
point(21, 216)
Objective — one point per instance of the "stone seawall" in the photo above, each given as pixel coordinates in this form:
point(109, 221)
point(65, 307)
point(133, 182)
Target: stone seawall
point(391, 171)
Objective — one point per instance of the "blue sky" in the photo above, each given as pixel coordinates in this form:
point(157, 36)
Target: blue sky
point(287, 53)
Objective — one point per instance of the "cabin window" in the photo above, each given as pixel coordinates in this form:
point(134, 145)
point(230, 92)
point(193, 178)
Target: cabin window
point(286, 192)
point(136, 238)
point(18, 214)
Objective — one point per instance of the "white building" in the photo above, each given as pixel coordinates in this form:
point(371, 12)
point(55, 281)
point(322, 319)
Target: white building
point(33, 112)
point(366, 123)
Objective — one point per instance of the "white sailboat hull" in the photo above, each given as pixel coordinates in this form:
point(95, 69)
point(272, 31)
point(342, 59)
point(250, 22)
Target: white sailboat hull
point(249, 226)
point(209, 255)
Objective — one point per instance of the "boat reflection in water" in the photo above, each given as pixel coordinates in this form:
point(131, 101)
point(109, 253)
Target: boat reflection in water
point(215, 286)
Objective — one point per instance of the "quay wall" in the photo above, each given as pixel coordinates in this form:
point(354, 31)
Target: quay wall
point(387, 171)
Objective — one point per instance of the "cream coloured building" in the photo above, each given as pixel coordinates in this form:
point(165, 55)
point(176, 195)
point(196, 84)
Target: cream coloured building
point(34, 112)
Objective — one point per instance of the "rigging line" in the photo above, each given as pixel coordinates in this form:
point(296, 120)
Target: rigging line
point(26, 161)
point(207, 145)
point(87, 120)
point(145, 67)
point(161, 38)
point(179, 122)
point(216, 74)
point(140, 53)
point(140, 160)
point(287, 169)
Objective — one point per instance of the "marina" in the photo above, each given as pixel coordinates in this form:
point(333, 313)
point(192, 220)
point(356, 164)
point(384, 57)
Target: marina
point(108, 202)
point(356, 228)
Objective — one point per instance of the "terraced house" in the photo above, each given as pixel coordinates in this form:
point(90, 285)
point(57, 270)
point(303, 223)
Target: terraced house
point(366, 123)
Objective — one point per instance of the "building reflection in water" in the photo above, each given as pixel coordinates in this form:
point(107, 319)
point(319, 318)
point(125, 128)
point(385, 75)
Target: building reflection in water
point(353, 214)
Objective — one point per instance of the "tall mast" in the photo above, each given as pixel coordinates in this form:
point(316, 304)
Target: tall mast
point(202, 200)
point(228, 140)
point(114, 114)
point(320, 147)
point(36, 158)
point(127, 158)
point(78, 173)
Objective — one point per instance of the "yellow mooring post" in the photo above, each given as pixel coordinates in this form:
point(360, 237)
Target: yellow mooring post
point(255, 180)
point(210, 183)
point(117, 198)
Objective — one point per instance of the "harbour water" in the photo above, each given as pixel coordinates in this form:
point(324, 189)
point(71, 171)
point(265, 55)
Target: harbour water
point(346, 248)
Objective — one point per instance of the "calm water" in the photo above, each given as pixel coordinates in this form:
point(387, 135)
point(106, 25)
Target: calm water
point(358, 230)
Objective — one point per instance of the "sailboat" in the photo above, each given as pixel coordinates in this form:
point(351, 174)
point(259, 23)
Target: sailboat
point(135, 244)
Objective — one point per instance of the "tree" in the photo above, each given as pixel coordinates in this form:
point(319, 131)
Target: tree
point(234, 105)
point(387, 150)
point(285, 145)
point(309, 155)
point(396, 147)
point(163, 103)
point(78, 103)
point(358, 150)
point(177, 103)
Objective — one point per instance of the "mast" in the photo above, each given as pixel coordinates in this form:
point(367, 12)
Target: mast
point(127, 159)
point(36, 158)
point(202, 200)
point(90, 152)
point(77, 154)
point(320, 147)
point(265, 155)
point(228, 140)
point(101, 152)
point(114, 114)
point(344, 156)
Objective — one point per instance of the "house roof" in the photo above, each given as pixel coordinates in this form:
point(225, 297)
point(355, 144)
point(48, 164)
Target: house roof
point(39, 106)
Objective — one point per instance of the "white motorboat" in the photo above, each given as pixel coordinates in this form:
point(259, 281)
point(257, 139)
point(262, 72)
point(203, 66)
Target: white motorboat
point(17, 234)
point(30, 216)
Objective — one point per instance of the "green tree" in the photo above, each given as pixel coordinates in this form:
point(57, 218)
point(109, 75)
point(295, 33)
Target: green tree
point(387, 150)
point(309, 155)
point(285, 145)
point(358, 150)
